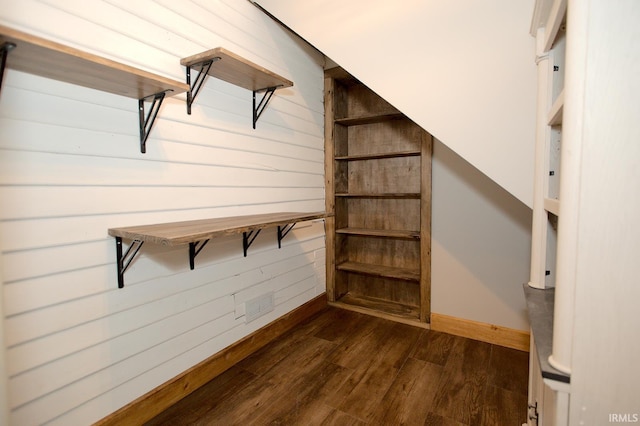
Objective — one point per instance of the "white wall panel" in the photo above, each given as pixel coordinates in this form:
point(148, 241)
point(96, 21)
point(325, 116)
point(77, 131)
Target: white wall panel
point(78, 348)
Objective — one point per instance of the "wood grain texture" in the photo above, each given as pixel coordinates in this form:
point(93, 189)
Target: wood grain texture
point(508, 337)
point(154, 402)
point(347, 368)
point(39, 56)
point(180, 233)
point(237, 70)
point(377, 158)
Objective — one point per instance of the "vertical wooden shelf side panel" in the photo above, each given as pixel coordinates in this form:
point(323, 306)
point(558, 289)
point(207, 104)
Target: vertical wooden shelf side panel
point(330, 208)
point(425, 227)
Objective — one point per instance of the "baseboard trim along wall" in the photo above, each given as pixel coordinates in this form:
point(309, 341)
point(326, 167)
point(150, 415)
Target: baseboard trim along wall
point(157, 400)
point(503, 336)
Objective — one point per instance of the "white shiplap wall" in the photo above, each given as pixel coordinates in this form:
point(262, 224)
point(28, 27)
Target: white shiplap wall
point(78, 348)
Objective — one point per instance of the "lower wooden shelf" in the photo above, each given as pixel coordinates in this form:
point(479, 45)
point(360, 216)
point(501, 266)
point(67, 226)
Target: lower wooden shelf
point(405, 274)
point(381, 308)
point(196, 233)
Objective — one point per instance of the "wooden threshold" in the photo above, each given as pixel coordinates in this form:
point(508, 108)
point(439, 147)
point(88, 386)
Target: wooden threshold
point(495, 334)
point(157, 400)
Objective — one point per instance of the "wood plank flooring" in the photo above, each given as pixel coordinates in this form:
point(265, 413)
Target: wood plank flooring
point(346, 368)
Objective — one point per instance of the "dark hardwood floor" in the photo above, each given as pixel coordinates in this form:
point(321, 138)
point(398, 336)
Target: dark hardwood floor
point(345, 368)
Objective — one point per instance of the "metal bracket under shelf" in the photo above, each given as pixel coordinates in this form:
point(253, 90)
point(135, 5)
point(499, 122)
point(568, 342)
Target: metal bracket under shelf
point(203, 72)
point(259, 109)
point(5, 49)
point(248, 237)
point(125, 260)
point(147, 120)
point(194, 250)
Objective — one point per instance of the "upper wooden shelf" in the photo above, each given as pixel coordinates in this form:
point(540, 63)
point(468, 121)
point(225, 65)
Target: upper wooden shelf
point(36, 55)
point(360, 157)
point(382, 233)
point(180, 233)
point(236, 70)
point(196, 233)
point(46, 58)
point(369, 119)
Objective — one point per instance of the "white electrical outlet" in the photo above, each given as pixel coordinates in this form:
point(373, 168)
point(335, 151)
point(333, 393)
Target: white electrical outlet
point(258, 306)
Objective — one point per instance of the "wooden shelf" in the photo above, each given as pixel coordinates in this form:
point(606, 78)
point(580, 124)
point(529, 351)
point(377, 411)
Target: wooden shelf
point(382, 233)
point(227, 66)
point(377, 156)
point(552, 205)
point(404, 274)
point(49, 59)
point(381, 195)
point(379, 307)
point(196, 233)
point(556, 17)
point(36, 55)
point(368, 119)
point(236, 70)
point(555, 113)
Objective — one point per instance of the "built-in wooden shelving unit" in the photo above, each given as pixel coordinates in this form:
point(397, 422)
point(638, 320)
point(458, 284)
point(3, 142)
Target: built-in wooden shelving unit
point(196, 233)
point(234, 69)
point(46, 58)
point(378, 195)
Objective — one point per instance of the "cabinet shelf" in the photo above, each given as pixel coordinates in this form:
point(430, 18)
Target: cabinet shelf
point(404, 274)
point(415, 195)
point(379, 307)
point(45, 58)
point(552, 205)
point(227, 66)
point(555, 113)
point(382, 233)
point(369, 119)
point(360, 157)
point(196, 233)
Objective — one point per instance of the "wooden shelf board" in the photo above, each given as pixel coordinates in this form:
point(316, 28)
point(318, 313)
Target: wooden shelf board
point(383, 233)
point(236, 70)
point(381, 195)
point(552, 205)
point(381, 308)
point(179, 233)
point(404, 274)
point(555, 113)
point(36, 55)
point(360, 157)
point(557, 16)
point(368, 119)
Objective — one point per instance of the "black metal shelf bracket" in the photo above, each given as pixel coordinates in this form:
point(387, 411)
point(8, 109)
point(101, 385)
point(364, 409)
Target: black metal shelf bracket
point(283, 231)
point(194, 88)
point(5, 49)
point(194, 250)
point(247, 239)
point(125, 260)
point(147, 120)
point(259, 109)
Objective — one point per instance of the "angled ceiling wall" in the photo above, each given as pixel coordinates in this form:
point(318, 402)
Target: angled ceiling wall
point(464, 70)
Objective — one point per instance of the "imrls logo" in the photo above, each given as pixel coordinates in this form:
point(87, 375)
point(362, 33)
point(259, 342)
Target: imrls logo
point(624, 418)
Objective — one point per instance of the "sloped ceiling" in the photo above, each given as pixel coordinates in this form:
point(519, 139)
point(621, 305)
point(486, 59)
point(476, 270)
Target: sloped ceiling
point(462, 69)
